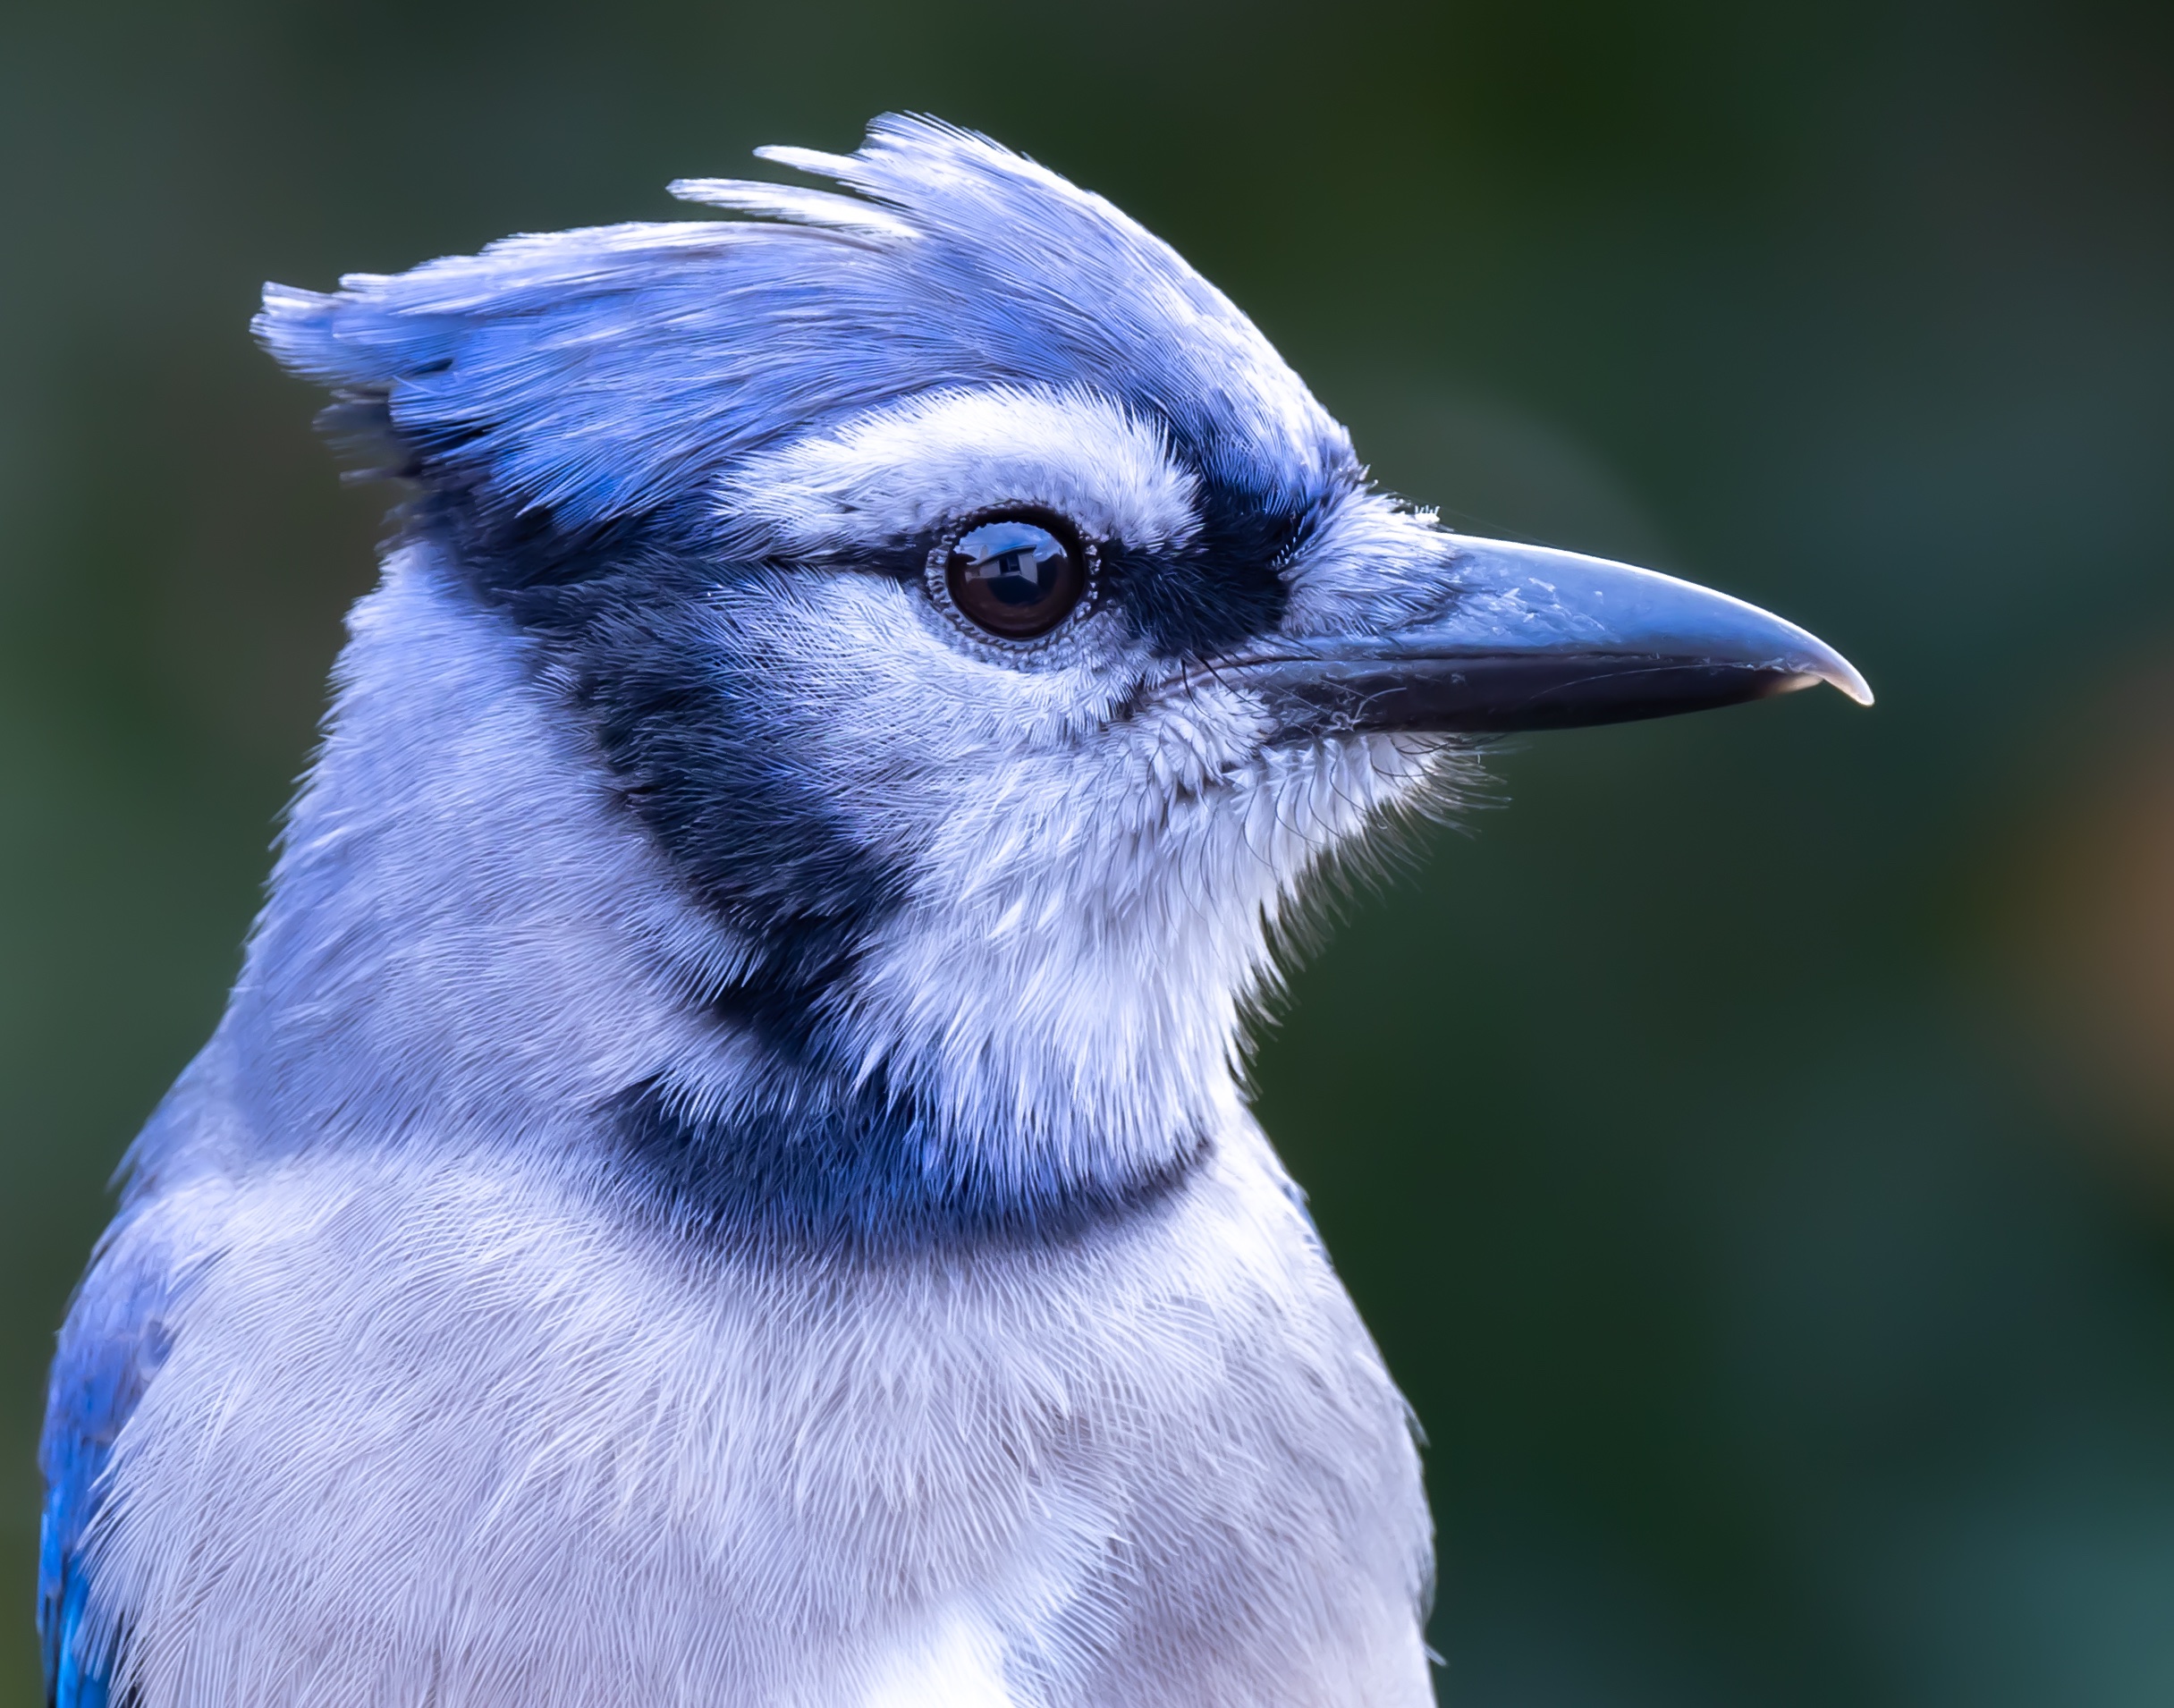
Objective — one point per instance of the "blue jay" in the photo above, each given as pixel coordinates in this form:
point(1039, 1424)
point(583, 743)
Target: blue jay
point(724, 1178)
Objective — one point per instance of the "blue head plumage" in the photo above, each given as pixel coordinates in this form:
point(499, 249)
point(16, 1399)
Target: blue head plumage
point(682, 458)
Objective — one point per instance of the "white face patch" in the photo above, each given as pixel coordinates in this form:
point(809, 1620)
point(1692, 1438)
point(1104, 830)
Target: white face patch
point(932, 459)
point(1094, 860)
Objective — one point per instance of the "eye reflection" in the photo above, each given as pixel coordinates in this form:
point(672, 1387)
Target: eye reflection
point(1015, 578)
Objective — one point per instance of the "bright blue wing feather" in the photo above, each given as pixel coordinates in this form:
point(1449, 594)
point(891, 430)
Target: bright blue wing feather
point(113, 1344)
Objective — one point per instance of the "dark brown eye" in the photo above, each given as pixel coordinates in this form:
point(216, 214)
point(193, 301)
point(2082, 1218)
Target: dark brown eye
point(1014, 577)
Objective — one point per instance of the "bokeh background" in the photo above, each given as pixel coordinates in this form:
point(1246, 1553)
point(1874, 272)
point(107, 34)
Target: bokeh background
point(1754, 1145)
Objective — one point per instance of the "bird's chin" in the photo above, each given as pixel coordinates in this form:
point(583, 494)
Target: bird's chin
point(1331, 788)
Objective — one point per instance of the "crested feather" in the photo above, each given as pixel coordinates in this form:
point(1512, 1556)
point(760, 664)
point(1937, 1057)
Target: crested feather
point(594, 373)
point(790, 206)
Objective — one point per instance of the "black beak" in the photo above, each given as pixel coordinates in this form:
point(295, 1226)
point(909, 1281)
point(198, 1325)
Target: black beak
point(1527, 637)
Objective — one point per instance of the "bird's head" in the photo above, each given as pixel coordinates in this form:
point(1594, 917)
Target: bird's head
point(991, 632)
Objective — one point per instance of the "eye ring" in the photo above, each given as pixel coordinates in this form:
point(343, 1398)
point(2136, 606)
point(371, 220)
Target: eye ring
point(1015, 576)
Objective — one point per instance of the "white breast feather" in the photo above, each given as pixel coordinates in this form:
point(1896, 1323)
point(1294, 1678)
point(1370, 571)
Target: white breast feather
point(454, 1435)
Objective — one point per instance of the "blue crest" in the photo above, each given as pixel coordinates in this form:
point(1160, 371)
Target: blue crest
point(596, 374)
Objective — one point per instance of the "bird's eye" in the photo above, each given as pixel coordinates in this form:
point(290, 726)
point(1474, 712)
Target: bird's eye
point(1016, 577)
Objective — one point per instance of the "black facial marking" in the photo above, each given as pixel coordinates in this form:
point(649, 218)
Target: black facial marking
point(701, 747)
point(709, 748)
point(1226, 584)
point(1223, 586)
point(705, 745)
point(858, 1168)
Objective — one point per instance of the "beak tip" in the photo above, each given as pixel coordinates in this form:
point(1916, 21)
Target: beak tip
point(1842, 674)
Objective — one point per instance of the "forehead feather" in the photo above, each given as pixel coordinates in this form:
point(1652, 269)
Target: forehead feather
point(602, 372)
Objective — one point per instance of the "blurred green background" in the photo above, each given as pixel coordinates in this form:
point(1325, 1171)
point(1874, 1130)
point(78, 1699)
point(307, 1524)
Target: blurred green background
point(1754, 1148)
